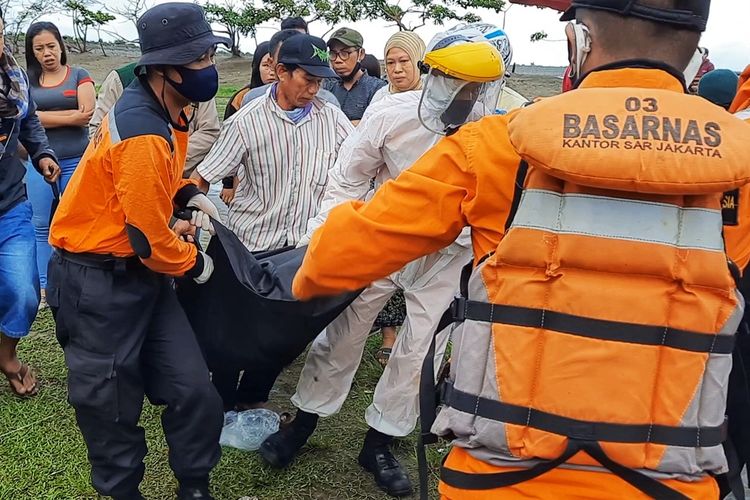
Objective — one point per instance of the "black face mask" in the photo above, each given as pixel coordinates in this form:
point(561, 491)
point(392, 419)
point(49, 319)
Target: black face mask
point(350, 76)
point(198, 85)
point(457, 113)
point(458, 110)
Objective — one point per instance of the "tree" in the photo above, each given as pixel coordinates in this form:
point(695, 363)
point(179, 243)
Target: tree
point(83, 19)
point(131, 10)
point(99, 19)
point(404, 14)
point(20, 14)
point(236, 22)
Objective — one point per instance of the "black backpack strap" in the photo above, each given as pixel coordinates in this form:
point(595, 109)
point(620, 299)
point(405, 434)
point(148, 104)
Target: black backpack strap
point(55, 200)
point(648, 485)
point(523, 170)
point(428, 392)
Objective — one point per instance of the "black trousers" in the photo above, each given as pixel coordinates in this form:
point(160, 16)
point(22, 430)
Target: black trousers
point(125, 336)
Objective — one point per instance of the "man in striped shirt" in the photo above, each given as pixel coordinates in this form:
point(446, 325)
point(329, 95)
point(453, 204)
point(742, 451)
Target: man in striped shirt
point(280, 147)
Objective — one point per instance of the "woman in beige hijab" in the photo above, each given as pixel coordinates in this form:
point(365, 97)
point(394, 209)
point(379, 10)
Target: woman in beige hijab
point(403, 51)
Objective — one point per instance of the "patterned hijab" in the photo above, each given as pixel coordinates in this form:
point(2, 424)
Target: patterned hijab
point(413, 45)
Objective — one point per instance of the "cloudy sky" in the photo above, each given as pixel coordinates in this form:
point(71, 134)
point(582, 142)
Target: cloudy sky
point(726, 35)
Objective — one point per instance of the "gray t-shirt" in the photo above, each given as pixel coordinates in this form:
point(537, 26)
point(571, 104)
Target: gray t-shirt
point(354, 101)
point(67, 142)
point(253, 94)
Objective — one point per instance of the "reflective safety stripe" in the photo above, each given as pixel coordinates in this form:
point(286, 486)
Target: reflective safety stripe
point(619, 218)
point(614, 331)
point(114, 134)
point(689, 437)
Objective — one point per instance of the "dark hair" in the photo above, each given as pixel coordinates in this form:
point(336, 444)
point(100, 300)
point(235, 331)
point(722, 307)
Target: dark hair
point(260, 52)
point(33, 68)
point(294, 23)
point(291, 67)
point(280, 37)
point(371, 64)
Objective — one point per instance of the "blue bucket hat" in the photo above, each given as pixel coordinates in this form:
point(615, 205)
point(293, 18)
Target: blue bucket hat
point(175, 34)
point(719, 86)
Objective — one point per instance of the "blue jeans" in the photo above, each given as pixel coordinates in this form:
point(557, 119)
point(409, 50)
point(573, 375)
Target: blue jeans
point(19, 280)
point(40, 196)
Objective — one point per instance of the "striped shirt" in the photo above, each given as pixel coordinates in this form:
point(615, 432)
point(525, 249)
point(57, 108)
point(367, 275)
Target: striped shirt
point(282, 168)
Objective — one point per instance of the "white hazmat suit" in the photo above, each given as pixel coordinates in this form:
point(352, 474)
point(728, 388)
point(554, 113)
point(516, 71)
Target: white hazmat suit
point(388, 140)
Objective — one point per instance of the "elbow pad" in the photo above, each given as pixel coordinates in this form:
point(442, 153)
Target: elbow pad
point(138, 241)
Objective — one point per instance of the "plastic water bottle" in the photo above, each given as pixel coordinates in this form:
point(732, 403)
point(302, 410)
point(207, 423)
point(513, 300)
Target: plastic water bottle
point(246, 430)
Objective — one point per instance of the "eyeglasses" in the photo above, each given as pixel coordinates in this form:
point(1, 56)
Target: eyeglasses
point(343, 54)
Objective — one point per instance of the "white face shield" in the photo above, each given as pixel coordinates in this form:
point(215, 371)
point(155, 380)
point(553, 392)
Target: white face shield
point(447, 103)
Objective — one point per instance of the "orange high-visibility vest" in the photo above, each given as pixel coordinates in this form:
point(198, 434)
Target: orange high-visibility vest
point(599, 334)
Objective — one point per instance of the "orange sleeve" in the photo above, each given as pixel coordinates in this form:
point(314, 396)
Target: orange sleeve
point(186, 182)
point(422, 211)
point(742, 99)
point(144, 184)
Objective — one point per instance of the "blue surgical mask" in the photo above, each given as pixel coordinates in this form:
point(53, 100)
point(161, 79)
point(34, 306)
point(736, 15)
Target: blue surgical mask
point(198, 85)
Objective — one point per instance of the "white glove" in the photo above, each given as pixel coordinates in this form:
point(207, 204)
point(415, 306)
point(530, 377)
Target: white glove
point(202, 203)
point(208, 269)
point(201, 220)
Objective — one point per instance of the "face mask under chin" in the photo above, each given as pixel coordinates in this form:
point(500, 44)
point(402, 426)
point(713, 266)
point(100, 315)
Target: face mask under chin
point(350, 76)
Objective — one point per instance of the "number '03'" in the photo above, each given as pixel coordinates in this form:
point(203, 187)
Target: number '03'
point(649, 104)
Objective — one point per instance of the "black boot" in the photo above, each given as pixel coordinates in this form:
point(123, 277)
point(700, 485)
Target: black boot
point(376, 458)
point(194, 489)
point(279, 449)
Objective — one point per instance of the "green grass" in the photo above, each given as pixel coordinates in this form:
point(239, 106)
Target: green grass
point(222, 97)
point(42, 455)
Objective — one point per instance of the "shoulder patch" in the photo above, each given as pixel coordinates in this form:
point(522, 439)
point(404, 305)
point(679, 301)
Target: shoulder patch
point(730, 207)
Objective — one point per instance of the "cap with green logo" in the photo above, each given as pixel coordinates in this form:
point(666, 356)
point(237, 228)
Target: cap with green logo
point(348, 37)
point(309, 53)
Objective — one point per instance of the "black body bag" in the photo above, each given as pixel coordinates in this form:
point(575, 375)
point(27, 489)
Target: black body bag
point(245, 315)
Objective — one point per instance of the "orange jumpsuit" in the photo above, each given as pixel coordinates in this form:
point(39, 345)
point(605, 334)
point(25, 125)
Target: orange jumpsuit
point(467, 179)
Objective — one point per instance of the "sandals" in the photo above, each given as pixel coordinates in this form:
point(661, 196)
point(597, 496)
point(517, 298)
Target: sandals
point(18, 378)
point(382, 355)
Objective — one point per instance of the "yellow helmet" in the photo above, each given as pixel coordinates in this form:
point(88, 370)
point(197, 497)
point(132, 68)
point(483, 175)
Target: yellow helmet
point(472, 62)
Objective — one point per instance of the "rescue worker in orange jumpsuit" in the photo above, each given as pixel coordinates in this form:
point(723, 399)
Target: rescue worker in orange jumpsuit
point(736, 204)
point(118, 320)
point(612, 190)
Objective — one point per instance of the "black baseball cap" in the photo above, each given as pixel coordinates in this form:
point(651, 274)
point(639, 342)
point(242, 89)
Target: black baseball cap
point(294, 23)
point(175, 34)
point(309, 53)
point(691, 15)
